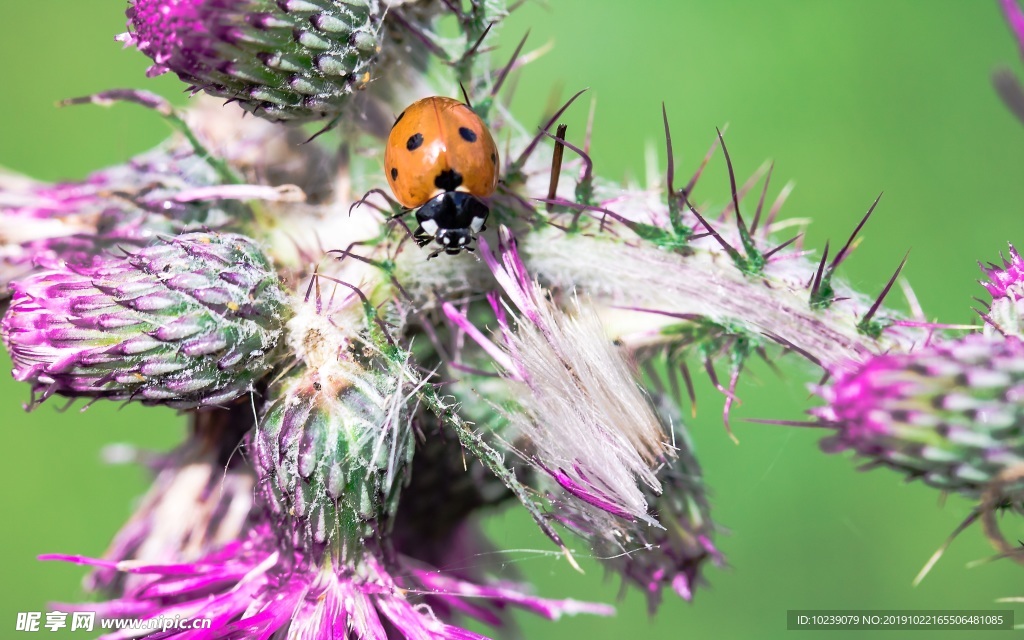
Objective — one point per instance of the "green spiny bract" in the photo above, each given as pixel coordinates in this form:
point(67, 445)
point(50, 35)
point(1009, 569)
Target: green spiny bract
point(951, 414)
point(286, 60)
point(189, 321)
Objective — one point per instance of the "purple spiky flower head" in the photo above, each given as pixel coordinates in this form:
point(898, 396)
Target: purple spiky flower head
point(1006, 286)
point(128, 205)
point(267, 584)
point(949, 414)
point(597, 446)
point(189, 321)
point(282, 60)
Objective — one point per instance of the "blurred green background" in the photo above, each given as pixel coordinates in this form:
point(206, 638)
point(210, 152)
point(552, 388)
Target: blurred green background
point(849, 99)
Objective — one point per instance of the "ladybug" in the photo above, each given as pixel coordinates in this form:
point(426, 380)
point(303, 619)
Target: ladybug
point(441, 160)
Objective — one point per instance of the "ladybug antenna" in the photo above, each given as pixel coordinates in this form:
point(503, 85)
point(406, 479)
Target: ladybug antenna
point(465, 96)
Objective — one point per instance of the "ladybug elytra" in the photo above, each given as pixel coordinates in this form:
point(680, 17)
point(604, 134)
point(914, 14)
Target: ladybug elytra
point(441, 159)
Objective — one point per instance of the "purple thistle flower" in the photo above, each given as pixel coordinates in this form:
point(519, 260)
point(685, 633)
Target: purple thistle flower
point(363, 458)
point(267, 584)
point(1006, 286)
point(127, 205)
point(949, 413)
point(282, 60)
point(189, 321)
point(588, 425)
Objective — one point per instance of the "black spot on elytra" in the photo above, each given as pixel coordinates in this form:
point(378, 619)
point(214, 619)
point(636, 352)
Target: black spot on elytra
point(400, 116)
point(394, 173)
point(414, 142)
point(467, 134)
point(449, 180)
point(494, 158)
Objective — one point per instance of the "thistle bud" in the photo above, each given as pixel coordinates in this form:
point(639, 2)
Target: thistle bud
point(281, 60)
point(949, 414)
point(188, 321)
point(334, 440)
point(127, 205)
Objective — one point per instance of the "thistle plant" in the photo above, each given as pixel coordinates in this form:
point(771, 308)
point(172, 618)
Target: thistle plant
point(357, 401)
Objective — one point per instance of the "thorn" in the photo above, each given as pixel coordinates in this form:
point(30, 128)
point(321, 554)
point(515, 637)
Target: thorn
point(760, 203)
point(725, 245)
point(652, 374)
point(319, 132)
point(825, 378)
point(819, 272)
point(782, 246)
point(732, 184)
point(777, 205)
point(710, 369)
point(606, 213)
point(417, 33)
point(556, 163)
point(915, 306)
point(590, 124)
point(945, 545)
point(571, 559)
point(733, 379)
point(688, 189)
point(454, 9)
point(746, 187)
point(671, 158)
point(789, 345)
point(677, 363)
point(465, 96)
point(476, 46)
point(878, 301)
point(367, 305)
point(843, 252)
point(524, 156)
point(508, 67)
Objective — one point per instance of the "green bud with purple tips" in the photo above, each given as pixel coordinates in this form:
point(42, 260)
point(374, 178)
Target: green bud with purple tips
point(291, 60)
point(188, 321)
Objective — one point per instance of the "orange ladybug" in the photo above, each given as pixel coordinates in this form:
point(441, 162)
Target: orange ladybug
point(441, 158)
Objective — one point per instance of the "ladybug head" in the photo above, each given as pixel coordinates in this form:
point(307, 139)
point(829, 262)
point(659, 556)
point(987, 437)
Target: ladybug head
point(453, 219)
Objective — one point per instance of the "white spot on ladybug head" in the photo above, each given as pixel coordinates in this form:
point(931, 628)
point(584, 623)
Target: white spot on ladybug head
point(463, 241)
point(446, 240)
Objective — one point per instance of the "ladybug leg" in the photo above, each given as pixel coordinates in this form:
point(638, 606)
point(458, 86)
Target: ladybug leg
point(394, 204)
point(421, 237)
point(434, 254)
